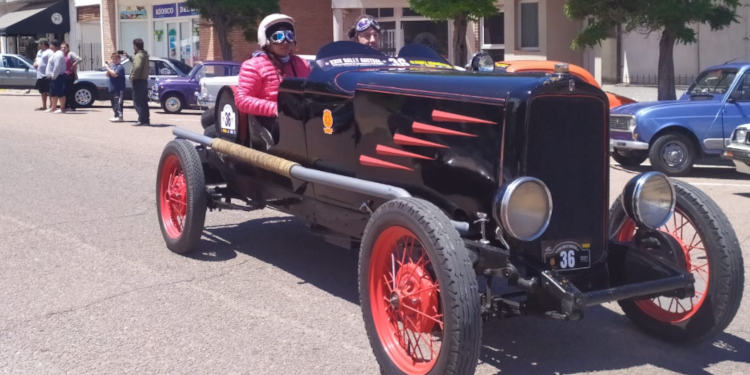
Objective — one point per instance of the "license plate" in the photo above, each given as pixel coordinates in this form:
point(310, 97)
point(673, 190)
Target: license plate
point(567, 255)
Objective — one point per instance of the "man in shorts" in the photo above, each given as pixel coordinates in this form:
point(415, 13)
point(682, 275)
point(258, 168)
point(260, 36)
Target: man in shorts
point(56, 74)
point(40, 64)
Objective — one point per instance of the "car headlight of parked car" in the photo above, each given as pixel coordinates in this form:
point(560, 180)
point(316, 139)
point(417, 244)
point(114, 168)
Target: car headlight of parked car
point(649, 199)
point(524, 208)
point(740, 135)
point(622, 122)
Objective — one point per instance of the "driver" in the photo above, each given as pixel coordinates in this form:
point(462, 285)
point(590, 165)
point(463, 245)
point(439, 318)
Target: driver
point(261, 75)
point(366, 31)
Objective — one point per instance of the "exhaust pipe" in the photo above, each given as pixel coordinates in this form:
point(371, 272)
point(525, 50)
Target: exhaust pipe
point(291, 169)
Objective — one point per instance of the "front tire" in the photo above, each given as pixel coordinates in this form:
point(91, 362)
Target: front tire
point(181, 196)
point(418, 291)
point(83, 95)
point(173, 104)
point(712, 254)
point(629, 158)
point(672, 154)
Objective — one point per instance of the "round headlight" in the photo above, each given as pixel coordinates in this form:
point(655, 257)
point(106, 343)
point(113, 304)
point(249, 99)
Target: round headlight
point(649, 199)
point(524, 208)
point(482, 62)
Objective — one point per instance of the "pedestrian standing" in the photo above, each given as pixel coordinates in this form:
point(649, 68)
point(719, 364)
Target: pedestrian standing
point(139, 78)
point(116, 74)
point(56, 74)
point(40, 64)
point(71, 74)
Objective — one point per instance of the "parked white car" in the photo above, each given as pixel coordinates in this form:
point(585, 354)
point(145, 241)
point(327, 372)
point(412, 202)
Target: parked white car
point(738, 148)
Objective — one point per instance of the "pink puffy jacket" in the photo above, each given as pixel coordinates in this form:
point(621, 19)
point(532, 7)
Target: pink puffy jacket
point(259, 81)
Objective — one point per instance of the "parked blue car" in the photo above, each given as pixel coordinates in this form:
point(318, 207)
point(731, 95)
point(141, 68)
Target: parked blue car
point(176, 94)
point(674, 135)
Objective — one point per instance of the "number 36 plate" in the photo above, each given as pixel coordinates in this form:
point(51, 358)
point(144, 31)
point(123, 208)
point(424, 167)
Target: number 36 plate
point(567, 255)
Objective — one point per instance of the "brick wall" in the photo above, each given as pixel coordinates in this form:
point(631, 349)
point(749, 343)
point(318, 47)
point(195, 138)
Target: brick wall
point(313, 21)
point(87, 13)
point(109, 30)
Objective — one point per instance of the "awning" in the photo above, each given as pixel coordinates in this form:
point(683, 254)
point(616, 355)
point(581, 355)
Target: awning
point(37, 18)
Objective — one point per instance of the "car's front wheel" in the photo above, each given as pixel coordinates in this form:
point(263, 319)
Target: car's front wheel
point(83, 95)
point(710, 251)
point(672, 154)
point(418, 291)
point(172, 103)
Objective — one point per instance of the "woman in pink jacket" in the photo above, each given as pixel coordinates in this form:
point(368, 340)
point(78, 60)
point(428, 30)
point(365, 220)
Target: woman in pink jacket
point(261, 75)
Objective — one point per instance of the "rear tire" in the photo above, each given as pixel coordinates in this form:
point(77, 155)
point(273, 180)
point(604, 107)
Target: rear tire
point(712, 253)
point(227, 117)
point(417, 285)
point(672, 154)
point(84, 95)
point(181, 196)
point(208, 117)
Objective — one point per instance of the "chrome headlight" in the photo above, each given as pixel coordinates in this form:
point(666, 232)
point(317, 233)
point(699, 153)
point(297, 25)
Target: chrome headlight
point(622, 122)
point(524, 208)
point(740, 135)
point(649, 199)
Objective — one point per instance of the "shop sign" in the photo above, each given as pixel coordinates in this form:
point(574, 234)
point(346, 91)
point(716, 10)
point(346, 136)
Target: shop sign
point(185, 10)
point(174, 10)
point(133, 13)
point(165, 10)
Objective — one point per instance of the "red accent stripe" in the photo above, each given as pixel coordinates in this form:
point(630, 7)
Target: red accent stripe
point(419, 127)
point(390, 151)
point(404, 140)
point(452, 117)
point(372, 162)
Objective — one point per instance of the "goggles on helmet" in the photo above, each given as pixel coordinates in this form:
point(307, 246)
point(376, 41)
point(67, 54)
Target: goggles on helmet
point(280, 36)
point(366, 23)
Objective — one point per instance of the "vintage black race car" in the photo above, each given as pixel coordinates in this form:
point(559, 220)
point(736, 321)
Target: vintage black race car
point(446, 179)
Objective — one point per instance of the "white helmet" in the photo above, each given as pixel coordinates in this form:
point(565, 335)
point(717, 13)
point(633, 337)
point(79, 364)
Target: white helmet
point(270, 20)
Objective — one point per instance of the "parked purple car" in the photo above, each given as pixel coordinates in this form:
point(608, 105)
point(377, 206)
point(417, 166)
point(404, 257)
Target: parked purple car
point(176, 94)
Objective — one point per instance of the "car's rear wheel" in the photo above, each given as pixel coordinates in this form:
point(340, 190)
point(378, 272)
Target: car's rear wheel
point(711, 253)
point(672, 154)
point(629, 158)
point(172, 103)
point(418, 291)
point(208, 117)
point(83, 95)
point(181, 196)
point(227, 117)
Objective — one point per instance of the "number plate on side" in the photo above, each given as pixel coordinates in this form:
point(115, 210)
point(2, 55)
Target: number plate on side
point(567, 254)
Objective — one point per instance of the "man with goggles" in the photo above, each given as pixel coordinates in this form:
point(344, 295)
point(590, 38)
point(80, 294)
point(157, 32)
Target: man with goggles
point(366, 31)
point(261, 75)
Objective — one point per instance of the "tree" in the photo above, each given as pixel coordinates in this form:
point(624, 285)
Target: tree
point(673, 18)
point(226, 14)
point(461, 12)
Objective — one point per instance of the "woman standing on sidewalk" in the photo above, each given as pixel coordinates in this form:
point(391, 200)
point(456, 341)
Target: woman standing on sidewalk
point(71, 74)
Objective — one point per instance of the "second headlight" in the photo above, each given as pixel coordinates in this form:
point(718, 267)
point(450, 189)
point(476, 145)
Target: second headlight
point(524, 208)
point(649, 199)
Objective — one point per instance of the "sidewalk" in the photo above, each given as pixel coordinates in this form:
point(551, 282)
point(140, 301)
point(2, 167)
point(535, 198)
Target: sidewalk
point(638, 93)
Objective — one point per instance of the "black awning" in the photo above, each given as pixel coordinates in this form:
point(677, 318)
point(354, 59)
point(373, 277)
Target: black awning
point(37, 18)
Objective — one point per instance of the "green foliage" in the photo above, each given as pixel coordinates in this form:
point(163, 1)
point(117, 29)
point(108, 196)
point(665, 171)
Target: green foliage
point(449, 9)
point(243, 13)
point(671, 16)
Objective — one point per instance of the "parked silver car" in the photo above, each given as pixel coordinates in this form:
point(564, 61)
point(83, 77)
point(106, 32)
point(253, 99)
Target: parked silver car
point(738, 148)
point(93, 85)
point(16, 71)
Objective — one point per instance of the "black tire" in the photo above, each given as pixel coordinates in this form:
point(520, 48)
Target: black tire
point(210, 132)
point(84, 95)
point(173, 103)
point(725, 269)
point(630, 158)
point(208, 117)
point(449, 264)
point(185, 236)
point(672, 154)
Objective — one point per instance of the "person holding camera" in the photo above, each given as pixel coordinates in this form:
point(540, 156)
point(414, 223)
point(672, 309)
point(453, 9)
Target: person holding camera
point(116, 74)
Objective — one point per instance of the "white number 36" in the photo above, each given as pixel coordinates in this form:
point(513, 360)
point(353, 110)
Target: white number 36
point(568, 259)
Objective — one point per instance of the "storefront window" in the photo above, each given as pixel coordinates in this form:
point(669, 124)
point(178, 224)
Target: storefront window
point(131, 30)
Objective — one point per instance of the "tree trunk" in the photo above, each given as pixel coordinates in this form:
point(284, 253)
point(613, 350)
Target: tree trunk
point(666, 66)
point(220, 26)
point(459, 39)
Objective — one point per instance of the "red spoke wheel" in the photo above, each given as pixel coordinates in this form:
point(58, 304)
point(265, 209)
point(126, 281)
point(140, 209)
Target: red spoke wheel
point(418, 291)
point(711, 253)
point(181, 196)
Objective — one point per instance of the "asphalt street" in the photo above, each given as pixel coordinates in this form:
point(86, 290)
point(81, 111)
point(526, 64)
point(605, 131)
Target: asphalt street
point(87, 285)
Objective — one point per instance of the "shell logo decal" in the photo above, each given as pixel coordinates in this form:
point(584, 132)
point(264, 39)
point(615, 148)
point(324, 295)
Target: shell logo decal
point(327, 121)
